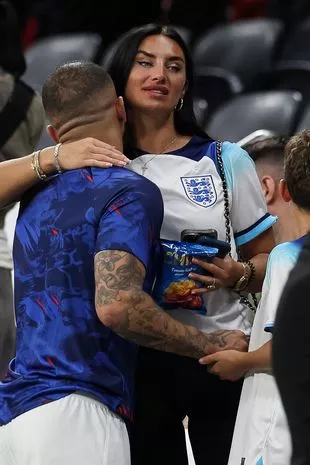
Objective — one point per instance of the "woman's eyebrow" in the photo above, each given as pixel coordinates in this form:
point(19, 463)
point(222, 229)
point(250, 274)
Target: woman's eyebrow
point(176, 58)
point(170, 58)
point(150, 55)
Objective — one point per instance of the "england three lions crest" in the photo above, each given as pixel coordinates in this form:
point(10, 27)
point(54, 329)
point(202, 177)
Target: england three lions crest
point(200, 189)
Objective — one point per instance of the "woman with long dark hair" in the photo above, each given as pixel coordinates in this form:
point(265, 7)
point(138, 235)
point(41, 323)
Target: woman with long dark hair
point(152, 69)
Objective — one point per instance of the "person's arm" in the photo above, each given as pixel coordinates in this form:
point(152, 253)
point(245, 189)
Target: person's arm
point(124, 307)
point(16, 176)
point(232, 365)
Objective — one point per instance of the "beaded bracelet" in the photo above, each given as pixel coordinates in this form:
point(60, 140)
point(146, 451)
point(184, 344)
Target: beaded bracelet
point(56, 159)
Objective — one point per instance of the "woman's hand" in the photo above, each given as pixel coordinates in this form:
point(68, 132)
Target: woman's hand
point(224, 272)
point(82, 153)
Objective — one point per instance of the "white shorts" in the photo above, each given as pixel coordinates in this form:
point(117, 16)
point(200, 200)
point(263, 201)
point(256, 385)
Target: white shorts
point(75, 430)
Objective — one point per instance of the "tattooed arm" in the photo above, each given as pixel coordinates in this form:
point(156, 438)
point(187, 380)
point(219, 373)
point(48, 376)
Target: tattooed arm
point(124, 307)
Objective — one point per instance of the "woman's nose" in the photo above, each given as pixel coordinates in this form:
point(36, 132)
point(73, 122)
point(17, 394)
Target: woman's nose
point(159, 74)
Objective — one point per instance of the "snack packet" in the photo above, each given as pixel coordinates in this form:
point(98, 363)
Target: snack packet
point(173, 288)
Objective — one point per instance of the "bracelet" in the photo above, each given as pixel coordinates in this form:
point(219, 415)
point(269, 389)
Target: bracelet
point(246, 278)
point(253, 271)
point(56, 159)
point(35, 165)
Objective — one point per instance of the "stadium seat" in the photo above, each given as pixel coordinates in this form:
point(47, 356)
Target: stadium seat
point(245, 48)
point(213, 87)
point(255, 136)
point(46, 54)
point(304, 122)
point(293, 75)
point(274, 111)
point(296, 46)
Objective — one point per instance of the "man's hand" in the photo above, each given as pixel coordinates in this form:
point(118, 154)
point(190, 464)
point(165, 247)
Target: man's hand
point(232, 340)
point(228, 365)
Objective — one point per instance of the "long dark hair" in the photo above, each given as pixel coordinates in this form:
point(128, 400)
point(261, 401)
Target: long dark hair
point(11, 53)
point(121, 62)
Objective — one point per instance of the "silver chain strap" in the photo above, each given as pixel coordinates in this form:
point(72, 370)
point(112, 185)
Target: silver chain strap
point(219, 145)
point(225, 190)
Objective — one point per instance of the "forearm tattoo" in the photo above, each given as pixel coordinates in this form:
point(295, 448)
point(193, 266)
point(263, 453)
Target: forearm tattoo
point(119, 280)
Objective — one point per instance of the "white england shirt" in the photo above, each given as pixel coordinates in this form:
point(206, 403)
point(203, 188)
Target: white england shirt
point(192, 191)
point(261, 435)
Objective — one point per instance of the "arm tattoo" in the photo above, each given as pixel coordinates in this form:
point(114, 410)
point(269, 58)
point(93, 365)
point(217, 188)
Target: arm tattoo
point(119, 280)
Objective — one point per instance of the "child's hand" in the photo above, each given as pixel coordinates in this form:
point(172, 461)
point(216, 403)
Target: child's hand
point(228, 365)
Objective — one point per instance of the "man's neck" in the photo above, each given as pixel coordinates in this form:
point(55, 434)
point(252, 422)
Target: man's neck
point(105, 133)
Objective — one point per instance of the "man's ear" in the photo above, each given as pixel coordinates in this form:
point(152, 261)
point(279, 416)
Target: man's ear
point(52, 132)
point(286, 196)
point(120, 109)
point(269, 187)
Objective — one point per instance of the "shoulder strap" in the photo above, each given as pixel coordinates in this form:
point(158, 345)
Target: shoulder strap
point(15, 110)
point(243, 298)
point(219, 147)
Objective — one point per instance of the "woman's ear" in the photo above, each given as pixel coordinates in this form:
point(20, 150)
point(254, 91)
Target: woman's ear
point(286, 196)
point(51, 131)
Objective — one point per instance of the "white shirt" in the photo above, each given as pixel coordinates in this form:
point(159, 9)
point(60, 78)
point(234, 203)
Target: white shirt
point(5, 252)
point(179, 175)
point(261, 434)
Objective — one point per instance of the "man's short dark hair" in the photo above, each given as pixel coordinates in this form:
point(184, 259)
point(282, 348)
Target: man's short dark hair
point(297, 169)
point(271, 148)
point(73, 88)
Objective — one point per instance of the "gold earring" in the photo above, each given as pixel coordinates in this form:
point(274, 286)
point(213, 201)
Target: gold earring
point(179, 105)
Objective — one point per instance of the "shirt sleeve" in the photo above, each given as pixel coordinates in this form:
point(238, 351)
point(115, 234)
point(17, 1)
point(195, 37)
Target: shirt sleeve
point(249, 216)
point(279, 266)
point(131, 219)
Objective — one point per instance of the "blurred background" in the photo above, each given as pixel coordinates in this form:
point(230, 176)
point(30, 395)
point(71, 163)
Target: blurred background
point(252, 58)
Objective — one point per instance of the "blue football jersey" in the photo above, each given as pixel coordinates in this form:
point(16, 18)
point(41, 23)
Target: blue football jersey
point(62, 347)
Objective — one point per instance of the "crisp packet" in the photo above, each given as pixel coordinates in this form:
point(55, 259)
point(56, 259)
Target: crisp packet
point(173, 288)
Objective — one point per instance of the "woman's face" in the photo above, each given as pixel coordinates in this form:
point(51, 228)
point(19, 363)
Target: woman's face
point(157, 79)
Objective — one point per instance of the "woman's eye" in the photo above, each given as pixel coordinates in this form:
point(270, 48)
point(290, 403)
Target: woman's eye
point(174, 68)
point(144, 63)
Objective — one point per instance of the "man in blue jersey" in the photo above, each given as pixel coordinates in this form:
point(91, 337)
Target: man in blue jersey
point(84, 255)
